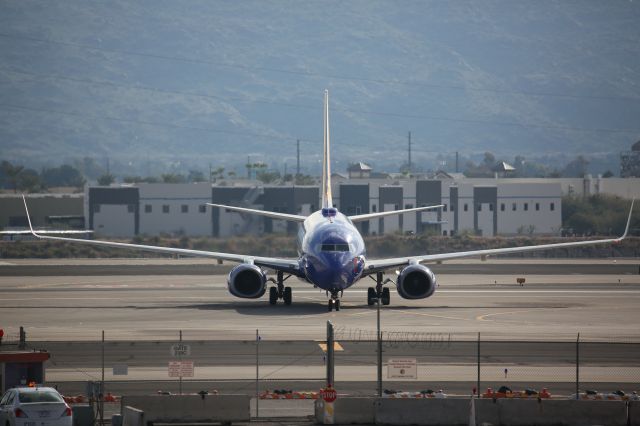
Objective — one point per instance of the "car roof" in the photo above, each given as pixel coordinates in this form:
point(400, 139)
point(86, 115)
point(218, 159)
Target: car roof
point(34, 389)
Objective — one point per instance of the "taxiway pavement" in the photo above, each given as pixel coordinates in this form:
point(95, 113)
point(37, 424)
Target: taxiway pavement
point(600, 304)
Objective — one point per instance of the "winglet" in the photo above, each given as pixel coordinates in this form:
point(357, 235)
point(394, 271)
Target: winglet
point(626, 230)
point(24, 199)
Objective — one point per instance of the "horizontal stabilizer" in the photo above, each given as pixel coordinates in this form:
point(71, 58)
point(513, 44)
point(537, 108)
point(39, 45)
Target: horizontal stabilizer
point(369, 216)
point(273, 215)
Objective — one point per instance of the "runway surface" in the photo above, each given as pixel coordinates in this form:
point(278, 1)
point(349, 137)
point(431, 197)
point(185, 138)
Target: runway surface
point(598, 304)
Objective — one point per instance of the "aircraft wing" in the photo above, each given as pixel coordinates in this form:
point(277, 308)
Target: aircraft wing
point(373, 266)
point(47, 231)
point(368, 216)
point(273, 215)
point(280, 264)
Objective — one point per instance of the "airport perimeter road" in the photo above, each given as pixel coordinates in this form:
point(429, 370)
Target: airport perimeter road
point(152, 307)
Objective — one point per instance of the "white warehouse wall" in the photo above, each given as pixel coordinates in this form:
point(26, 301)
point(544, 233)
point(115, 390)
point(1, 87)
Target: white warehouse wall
point(543, 221)
point(193, 222)
point(114, 220)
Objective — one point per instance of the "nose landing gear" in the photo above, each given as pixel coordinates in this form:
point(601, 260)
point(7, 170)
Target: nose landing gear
point(334, 301)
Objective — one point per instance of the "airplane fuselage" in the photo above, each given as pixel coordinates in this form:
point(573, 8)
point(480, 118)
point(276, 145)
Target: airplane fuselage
point(332, 251)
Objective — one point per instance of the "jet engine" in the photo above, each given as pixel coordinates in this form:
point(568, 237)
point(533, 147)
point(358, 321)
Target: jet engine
point(416, 282)
point(247, 281)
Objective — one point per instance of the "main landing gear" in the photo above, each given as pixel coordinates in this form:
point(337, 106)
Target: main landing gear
point(280, 292)
point(334, 301)
point(379, 292)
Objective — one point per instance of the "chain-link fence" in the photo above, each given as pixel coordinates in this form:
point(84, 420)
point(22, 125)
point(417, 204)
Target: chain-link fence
point(457, 365)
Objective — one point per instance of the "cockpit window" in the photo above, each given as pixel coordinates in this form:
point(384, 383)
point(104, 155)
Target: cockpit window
point(336, 247)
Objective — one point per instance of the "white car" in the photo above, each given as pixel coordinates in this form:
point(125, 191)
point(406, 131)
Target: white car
point(34, 406)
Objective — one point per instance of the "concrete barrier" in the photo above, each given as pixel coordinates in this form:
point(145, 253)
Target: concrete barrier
point(354, 411)
point(132, 416)
point(430, 411)
point(550, 412)
point(116, 420)
point(512, 412)
point(191, 408)
point(634, 413)
point(487, 411)
point(82, 415)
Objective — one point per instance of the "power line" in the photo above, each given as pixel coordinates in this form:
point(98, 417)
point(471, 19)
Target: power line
point(128, 120)
point(153, 89)
point(315, 74)
point(378, 113)
point(501, 123)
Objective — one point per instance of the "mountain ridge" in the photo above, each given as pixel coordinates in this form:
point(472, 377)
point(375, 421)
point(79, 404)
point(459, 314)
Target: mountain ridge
point(216, 82)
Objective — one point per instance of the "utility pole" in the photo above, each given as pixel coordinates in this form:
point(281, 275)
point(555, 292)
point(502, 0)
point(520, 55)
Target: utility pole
point(410, 168)
point(298, 158)
point(457, 171)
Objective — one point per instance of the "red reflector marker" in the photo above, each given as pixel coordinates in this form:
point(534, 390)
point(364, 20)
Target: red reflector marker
point(21, 414)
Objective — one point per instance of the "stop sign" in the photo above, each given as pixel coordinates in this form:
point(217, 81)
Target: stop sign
point(329, 394)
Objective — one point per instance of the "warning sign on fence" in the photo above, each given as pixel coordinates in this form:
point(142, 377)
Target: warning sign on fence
point(181, 368)
point(402, 368)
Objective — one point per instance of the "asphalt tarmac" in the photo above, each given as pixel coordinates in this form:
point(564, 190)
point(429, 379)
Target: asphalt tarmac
point(600, 304)
point(142, 311)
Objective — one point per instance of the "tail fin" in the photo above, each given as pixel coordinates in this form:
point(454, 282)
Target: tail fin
point(327, 201)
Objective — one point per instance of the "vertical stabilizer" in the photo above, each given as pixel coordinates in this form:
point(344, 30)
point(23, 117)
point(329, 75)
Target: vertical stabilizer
point(327, 201)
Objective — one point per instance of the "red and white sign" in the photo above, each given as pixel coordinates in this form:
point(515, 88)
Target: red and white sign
point(328, 394)
point(180, 368)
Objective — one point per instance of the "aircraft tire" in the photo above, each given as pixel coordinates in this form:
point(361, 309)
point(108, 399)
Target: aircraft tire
point(337, 304)
point(386, 296)
point(330, 305)
point(273, 295)
point(371, 296)
point(287, 296)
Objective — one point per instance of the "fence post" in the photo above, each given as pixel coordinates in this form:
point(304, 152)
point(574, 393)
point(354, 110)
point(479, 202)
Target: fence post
point(379, 341)
point(330, 365)
point(478, 388)
point(180, 359)
point(578, 367)
point(257, 373)
point(101, 395)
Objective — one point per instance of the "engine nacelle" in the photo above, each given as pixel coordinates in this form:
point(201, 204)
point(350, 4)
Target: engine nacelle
point(416, 282)
point(247, 281)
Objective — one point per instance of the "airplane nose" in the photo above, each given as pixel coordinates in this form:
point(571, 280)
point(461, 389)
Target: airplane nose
point(339, 271)
point(345, 268)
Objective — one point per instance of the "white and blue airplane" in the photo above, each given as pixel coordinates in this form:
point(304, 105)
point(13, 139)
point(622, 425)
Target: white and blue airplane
point(332, 253)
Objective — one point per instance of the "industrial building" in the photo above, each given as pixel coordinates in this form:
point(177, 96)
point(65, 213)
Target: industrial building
point(630, 162)
point(46, 210)
point(501, 208)
point(480, 206)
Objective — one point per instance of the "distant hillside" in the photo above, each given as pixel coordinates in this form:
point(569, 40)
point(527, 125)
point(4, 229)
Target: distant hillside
point(199, 82)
